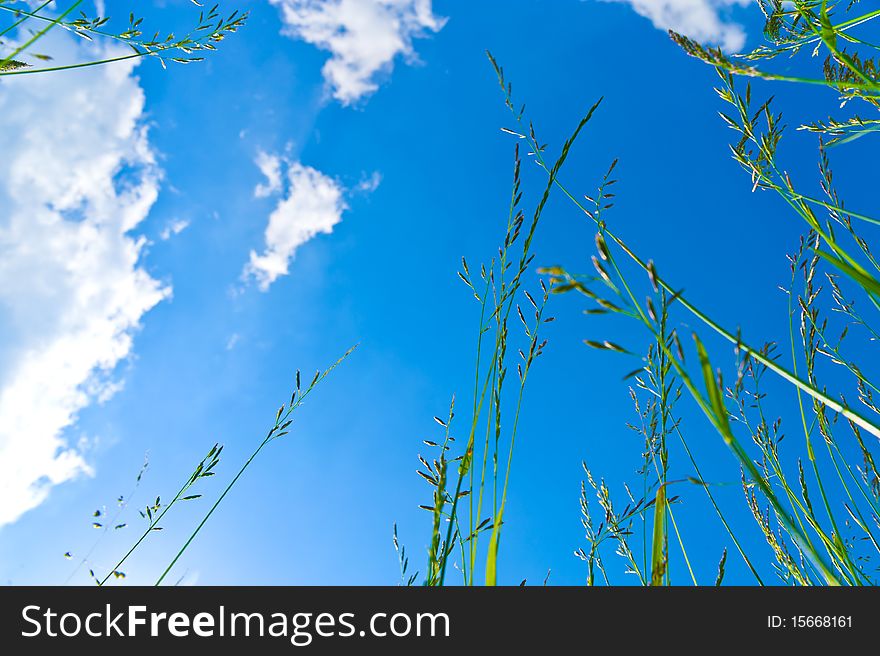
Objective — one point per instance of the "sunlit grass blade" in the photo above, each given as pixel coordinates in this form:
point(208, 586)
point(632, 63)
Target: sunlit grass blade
point(658, 545)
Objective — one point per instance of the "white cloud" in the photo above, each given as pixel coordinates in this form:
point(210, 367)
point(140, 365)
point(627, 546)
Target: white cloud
point(369, 184)
point(270, 167)
point(310, 203)
point(174, 228)
point(364, 37)
point(699, 19)
point(233, 341)
point(77, 174)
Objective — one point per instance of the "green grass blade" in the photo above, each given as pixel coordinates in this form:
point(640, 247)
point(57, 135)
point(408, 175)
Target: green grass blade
point(658, 550)
point(492, 556)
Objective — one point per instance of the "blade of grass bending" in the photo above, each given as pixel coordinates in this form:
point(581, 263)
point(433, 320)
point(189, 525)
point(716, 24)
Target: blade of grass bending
point(779, 370)
point(70, 67)
point(864, 280)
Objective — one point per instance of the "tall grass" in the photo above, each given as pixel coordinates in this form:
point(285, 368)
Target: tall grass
point(817, 503)
point(22, 58)
point(469, 501)
point(819, 518)
point(155, 513)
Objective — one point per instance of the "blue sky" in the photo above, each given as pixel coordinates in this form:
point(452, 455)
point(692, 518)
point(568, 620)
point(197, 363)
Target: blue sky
point(230, 222)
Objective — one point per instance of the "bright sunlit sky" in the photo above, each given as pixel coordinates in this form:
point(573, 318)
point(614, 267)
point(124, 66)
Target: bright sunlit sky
point(175, 244)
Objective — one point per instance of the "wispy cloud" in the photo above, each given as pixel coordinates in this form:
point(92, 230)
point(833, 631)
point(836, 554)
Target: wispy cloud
point(363, 37)
point(703, 20)
point(77, 175)
point(173, 228)
point(369, 183)
point(309, 203)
